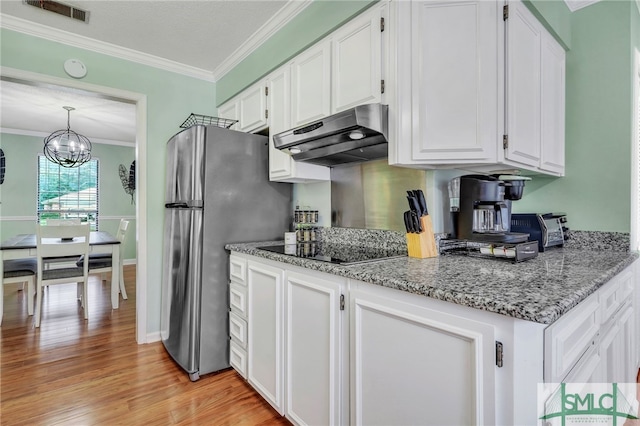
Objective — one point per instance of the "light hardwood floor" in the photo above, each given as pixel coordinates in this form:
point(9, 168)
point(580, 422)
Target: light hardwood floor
point(77, 372)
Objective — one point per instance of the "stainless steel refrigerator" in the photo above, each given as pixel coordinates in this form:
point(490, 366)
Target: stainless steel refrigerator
point(217, 192)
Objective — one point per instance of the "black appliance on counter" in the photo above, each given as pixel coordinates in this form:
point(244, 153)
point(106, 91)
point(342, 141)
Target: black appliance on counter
point(549, 229)
point(481, 207)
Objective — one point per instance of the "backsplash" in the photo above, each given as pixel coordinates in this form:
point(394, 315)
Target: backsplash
point(596, 240)
point(379, 238)
point(584, 240)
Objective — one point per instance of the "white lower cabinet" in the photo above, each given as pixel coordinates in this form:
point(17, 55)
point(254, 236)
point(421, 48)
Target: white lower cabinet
point(296, 346)
point(597, 340)
point(265, 327)
point(316, 381)
point(238, 314)
point(238, 359)
point(415, 365)
point(392, 357)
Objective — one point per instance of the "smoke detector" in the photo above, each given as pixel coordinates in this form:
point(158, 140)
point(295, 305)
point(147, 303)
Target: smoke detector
point(60, 8)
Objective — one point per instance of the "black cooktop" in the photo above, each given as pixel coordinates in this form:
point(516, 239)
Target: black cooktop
point(338, 254)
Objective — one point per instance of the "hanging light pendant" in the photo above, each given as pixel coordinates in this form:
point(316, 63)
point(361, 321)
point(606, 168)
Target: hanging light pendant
point(66, 147)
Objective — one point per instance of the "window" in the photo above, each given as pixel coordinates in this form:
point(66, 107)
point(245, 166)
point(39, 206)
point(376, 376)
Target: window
point(65, 193)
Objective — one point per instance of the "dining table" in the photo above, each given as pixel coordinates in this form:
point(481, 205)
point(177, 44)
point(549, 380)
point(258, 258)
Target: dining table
point(24, 246)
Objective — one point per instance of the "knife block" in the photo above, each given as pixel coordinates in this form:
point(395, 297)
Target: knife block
point(422, 245)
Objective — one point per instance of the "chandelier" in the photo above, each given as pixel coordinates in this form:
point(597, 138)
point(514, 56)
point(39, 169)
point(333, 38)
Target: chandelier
point(66, 147)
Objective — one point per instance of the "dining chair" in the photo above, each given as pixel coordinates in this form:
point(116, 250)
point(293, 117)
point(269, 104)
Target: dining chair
point(63, 222)
point(102, 263)
point(56, 242)
point(21, 271)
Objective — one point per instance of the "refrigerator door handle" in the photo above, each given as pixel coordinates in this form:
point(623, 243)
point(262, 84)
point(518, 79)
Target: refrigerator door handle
point(184, 205)
point(176, 205)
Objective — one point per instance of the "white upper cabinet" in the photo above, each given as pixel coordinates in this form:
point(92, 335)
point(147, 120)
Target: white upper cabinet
point(524, 35)
point(231, 111)
point(281, 166)
point(552, 106)
point(249, 108)
point(278, 84)
point(253, 108)
point(356, 76)
point(455, 80)
point(311, 84)
point(535, 80)
point(341, 71)
point(471, 89)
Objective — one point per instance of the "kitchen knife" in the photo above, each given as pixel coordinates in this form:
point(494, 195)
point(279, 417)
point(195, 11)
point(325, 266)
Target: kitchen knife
point(408, 223)
point(414, 205)
point(414, 194)
point(422, 201)
point(415, 219)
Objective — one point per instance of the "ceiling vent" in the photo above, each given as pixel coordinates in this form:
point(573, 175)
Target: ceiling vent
point(60, 9)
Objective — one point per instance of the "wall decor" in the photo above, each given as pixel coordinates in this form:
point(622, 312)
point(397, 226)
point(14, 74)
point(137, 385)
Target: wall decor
point(2, 166)
point(128, 179)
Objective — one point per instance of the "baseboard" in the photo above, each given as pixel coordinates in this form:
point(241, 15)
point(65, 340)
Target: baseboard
point(153, 337)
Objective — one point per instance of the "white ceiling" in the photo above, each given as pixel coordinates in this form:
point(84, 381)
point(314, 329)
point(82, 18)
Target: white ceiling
point(202, 36)
point(37, 111)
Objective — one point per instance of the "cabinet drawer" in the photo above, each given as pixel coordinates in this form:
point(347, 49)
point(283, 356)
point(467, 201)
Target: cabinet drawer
point(569, 338)
point(238, 299)
point(625, 289)
point(238, 359)
point(609, 299)
point(238, 269)
point(238, 329)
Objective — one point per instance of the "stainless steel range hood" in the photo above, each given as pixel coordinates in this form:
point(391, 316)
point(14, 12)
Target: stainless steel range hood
point(354, 135)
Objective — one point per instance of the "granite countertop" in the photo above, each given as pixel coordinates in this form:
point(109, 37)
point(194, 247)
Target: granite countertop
point(539, 290)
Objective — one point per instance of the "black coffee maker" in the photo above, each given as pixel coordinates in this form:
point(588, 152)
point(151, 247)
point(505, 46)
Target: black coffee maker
point(482, 209)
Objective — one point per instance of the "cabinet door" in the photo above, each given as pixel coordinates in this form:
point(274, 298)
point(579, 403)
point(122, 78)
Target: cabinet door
point(356, 62)
point(281, 166)
point(253, 108)
point(310, 74)
point(265, 329)
point(455, 79)
point(314, 350)
point(279, 84)
point(569, 338)
point(408, 363)
point(553, 106)
point(524, 35)
point(616, 349)
point(231, 111)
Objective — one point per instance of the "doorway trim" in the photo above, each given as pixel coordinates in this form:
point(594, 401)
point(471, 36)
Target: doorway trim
point(140, 100)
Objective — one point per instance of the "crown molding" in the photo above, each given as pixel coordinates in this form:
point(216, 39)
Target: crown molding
point(34, 133)
point(279, 20)
point(53, 34)
point(574, 5)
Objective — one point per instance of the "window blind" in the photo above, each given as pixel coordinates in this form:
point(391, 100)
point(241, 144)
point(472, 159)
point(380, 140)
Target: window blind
point(65, 193)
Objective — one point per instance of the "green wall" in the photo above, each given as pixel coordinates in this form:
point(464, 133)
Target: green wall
point(171, 98)
point(20, 188)
point(555, 16)
point(314, 22)
point(595, 192)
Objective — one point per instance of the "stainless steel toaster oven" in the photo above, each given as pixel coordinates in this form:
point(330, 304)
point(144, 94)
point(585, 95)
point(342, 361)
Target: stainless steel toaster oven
point(549, 229)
